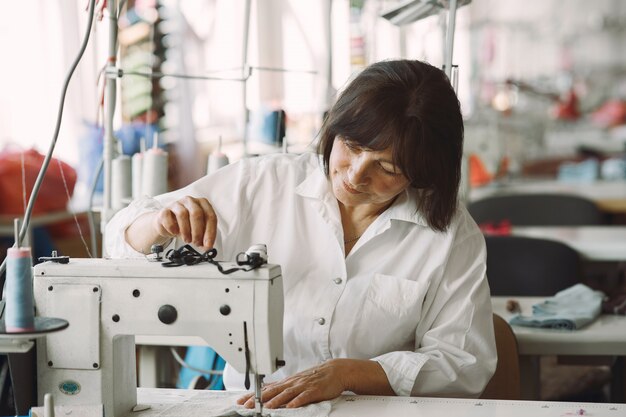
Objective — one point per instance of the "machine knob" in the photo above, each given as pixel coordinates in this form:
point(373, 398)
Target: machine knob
point(155, 253)
point(225, 310)
point(156, 249)
point(167, 314)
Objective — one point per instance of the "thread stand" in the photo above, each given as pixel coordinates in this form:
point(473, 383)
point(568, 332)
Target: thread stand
point(18, 326)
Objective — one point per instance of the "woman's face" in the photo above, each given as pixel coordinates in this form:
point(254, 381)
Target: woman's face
point(362, 176)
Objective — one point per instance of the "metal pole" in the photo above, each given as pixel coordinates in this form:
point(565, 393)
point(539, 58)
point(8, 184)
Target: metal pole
point(109, 139)
point(245, 75)
point(450, 38)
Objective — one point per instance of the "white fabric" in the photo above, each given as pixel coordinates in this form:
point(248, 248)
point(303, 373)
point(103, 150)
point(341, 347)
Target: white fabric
point(415, 300)
point(225, 404)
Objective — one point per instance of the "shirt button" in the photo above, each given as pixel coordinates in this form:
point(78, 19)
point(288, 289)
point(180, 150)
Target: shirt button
point(337, 281)
point(321, 321)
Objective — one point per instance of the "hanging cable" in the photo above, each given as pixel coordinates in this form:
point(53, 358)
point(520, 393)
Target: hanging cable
point(184, 364)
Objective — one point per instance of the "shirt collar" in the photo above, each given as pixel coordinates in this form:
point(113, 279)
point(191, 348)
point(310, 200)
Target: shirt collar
point(316, 185)
point(405, 208)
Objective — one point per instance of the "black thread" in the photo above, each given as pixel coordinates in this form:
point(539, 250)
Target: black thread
point(187, 255)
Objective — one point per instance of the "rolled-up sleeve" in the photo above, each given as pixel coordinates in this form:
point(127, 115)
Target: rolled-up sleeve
point(114, 237)
point(455, 352)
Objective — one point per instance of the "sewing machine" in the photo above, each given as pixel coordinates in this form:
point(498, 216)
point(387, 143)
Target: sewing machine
point(109, 301)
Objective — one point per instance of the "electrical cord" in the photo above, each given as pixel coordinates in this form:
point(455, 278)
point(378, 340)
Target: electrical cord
point(55, 136)
point(184, 364)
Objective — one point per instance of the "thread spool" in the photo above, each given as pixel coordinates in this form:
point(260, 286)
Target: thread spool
point(216, 159)
point(20, 316)
point(121, 187)
point(137, 174)
point(154, 173)
point(215, 162)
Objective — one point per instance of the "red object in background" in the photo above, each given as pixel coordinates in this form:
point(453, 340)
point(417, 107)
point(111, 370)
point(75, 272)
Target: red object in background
point(496, 229)
point(478, 173)
point(610, 114)
point(567, 108)
point(52, 194)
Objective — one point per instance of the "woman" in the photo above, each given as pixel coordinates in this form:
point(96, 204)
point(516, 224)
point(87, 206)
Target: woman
point(383, 272)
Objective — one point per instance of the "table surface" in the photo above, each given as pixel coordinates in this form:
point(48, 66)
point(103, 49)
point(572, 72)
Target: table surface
point(605, 336)
point(594, 243)
point(609, 195)
point(7, 226)
point(189, 402)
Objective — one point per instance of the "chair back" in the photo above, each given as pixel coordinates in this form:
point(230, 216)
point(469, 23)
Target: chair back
point(505, 382)
point(537, 210)
point(527, 266)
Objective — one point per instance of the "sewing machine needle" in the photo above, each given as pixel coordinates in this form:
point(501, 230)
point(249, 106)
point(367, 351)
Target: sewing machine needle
point(257, 395)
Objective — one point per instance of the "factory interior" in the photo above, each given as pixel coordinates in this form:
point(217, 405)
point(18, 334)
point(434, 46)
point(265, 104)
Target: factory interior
point(326, 260)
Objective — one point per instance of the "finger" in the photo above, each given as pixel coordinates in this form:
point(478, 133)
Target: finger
point(166, 224)
point(241, 400)
point(182, 218)
point(302, 399)
point(283, 397)
point(210, 227)
point(267, 394)
point(197, 220)
point(250, 396)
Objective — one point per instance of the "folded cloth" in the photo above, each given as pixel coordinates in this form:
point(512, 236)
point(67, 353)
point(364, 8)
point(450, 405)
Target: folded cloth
point(225, 404)
point(569, 309)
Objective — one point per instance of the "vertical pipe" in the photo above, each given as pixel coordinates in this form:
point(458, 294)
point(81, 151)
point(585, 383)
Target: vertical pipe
point(450, 37)
point(455, 79)
point(109, 139)
point(329, 47)
point(246, 74)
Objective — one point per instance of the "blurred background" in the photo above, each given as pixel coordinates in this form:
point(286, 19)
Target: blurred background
point(540, 81)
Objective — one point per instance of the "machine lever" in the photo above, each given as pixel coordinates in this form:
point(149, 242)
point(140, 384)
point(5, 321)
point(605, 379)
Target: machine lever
point(247, 353)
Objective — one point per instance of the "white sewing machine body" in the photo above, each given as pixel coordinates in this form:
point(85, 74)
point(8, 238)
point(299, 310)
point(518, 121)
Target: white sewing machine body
point(109, 301)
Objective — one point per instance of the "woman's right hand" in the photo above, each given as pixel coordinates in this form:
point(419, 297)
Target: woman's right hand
point(192, 219)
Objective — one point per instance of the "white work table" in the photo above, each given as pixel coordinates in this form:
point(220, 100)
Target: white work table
point(594, 243)
point(605, 337)
point(174, 403)
point(610, 196)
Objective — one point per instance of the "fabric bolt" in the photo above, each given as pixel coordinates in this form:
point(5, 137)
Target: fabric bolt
point(413, 299)
point(570, 309)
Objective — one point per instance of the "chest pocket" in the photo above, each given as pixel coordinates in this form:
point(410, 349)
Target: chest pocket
point(397, 297)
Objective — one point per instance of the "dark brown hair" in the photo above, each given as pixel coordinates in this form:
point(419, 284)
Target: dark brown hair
point(411, 107)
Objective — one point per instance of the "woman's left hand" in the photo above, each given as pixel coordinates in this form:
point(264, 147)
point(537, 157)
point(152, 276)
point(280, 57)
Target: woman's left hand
point(323, 382)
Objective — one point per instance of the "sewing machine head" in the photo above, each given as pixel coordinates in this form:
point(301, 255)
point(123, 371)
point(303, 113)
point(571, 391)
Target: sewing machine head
point(109, 301)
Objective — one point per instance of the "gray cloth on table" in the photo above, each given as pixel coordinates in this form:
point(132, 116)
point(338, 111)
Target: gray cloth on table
point(569, 309)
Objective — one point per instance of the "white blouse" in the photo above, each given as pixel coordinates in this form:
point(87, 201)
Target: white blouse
point(413, 299)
